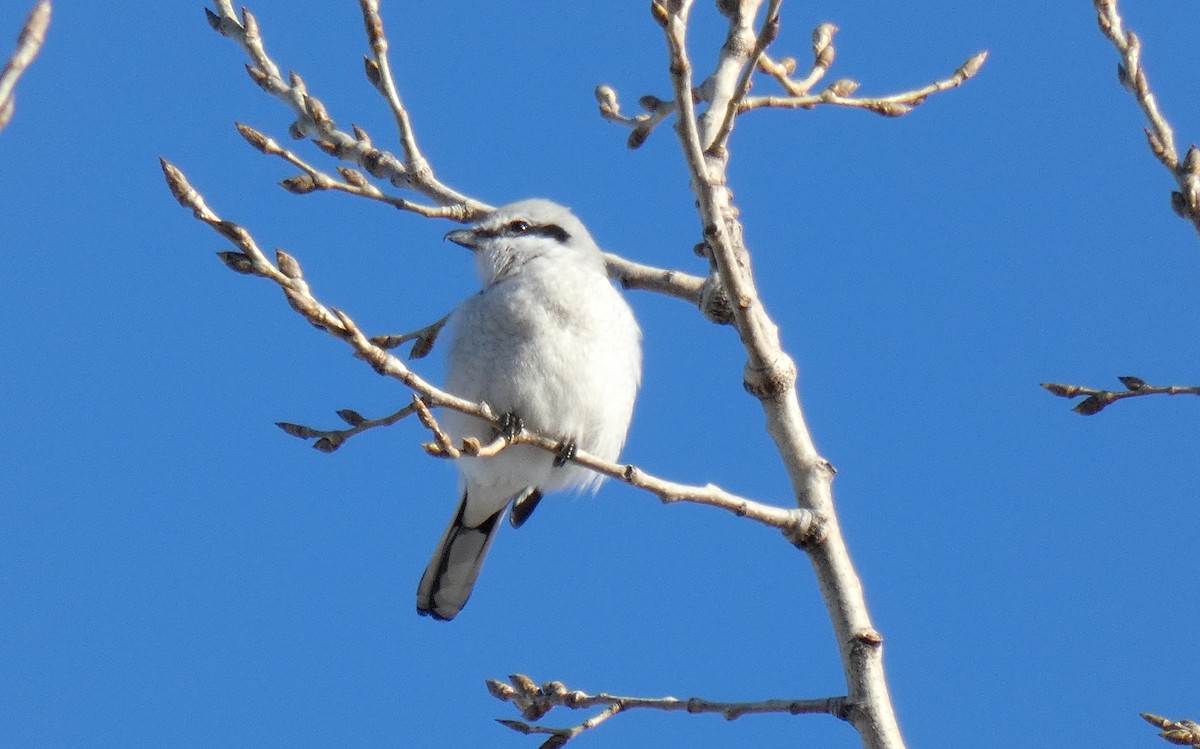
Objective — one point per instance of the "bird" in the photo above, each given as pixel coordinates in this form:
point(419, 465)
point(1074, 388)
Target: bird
point(551, 345)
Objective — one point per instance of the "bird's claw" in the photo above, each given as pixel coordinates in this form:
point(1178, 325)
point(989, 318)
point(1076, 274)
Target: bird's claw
point(564, 453)
point(510, 426)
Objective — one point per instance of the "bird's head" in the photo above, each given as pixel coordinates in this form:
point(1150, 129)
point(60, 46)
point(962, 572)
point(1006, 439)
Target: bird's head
point(517, 233)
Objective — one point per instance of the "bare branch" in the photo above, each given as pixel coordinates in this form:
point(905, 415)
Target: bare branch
point(352, 181)
point(799, 526)
point(29, 43)
point(1181, 732)
point(729, 293)
point(1097, 400)
point(536, 701)
point(839, 93)
point(424, 339)
point(823, 56)
point(328, 440)
point(744, 53)
point(641, 125)
point(415, 172)
point(674, 283)
point(1161, 138)
point(770, 374)
point(313, 120)
point(768, 33)
point(419, 172)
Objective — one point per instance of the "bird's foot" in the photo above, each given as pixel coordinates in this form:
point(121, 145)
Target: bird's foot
point(510, 425)
point(564, 453)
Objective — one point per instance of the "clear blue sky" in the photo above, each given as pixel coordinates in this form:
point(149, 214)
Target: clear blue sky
point(175, 571)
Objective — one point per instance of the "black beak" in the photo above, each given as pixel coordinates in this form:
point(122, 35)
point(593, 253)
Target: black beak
point(463, 237)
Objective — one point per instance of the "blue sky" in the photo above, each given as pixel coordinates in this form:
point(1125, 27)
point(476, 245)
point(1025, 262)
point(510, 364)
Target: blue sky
point(175, 571)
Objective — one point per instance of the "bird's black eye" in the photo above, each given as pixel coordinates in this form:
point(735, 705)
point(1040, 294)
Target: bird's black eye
point(518, 226)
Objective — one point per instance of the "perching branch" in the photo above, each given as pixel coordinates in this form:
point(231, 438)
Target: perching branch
point(29, 42)
point(1161, 138)
point(1098, 400)
point(536, 701)
point(1181, 732)
point(798, 526)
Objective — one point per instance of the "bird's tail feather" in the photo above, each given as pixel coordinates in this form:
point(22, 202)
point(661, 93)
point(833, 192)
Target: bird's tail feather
point(451, 574)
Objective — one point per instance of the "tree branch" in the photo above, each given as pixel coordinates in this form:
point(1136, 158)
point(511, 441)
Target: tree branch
point(313, 120)
point(328, 440)
point(1181, 732)
point(729, 292)
point(743, 54)
point(413, 171)
point(1098, 400)
point(1161, 138)
point(770, 374)
point(798, 526)
point(839, 93)
point(29, 42)
point(423, 339)
point(536, 701)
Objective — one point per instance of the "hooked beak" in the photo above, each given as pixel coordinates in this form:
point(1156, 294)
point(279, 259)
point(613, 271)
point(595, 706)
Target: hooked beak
point(464, 237)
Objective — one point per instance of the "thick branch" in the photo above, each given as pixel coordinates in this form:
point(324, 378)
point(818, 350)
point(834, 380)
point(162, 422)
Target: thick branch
point(1160, 136)
point(536, 701)
point(1097, 400)
point(771, 376)
point(29, 42)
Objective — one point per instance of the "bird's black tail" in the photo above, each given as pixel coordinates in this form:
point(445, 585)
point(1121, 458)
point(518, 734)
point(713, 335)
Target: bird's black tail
point(451, 574)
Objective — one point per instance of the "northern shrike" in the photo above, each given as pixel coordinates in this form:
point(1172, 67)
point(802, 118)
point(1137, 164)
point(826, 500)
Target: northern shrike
point(549, 341)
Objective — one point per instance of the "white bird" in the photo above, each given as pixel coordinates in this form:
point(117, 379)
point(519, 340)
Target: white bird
point(549, 341)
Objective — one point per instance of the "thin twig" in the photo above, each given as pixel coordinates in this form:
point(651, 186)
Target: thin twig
point(420, 174)
point(328, 440)
point(1097, 400)
point(535, 701)
point(313, 121)
point(1181, 732)
point(1161, 138)
point(423, 339)
point(29, 42)
point(839, 93)
point(352, 181)
point(799, 526)
point(823, 57)
point(641, 125)
point(629, 274)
